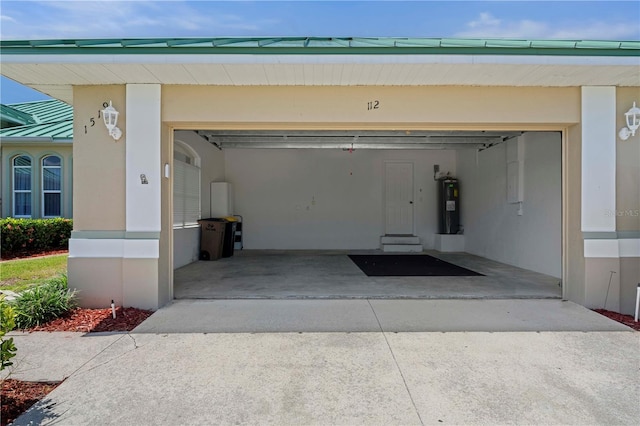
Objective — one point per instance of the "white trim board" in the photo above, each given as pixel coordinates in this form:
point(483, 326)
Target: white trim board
point(600, 248)
point(114, 248)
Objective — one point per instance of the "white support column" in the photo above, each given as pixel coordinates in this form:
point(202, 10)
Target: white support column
point(598, 159)
point(143, 158)
point(602, 256)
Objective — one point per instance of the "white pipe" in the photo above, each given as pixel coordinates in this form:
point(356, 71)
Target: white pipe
point(113, 309)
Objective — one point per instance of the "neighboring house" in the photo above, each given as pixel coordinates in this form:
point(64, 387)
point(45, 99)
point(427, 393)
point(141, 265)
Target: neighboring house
point(35, 159)
point(333, 143)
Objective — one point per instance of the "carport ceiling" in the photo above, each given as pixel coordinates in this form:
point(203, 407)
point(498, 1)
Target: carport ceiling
point(357, 139)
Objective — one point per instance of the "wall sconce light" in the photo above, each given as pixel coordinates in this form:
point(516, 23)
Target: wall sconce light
point(633, 122)
point(110, 116)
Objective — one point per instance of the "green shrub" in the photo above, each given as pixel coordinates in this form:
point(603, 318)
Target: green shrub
point(34, 235)
point(7, 323)
point(44, 303)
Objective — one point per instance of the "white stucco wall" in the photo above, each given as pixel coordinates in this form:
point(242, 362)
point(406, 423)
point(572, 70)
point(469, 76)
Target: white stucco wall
point(325, 199)
point(186, 246)
point(492, 226)
point(186, 242)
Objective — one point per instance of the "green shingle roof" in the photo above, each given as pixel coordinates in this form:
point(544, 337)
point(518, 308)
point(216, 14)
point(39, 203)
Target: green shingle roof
point(322, 45)
point(49, 119)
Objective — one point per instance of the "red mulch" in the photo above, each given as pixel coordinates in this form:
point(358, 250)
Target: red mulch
point(627, 320)
point(18, 396)
point(94, 320)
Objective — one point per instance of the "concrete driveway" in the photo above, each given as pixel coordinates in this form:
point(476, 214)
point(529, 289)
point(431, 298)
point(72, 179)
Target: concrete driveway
point(571, 366)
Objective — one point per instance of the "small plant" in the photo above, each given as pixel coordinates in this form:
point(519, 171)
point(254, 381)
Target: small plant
point(7, 322)
point(43, 303)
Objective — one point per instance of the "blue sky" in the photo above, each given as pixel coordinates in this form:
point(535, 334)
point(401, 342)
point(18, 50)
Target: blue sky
point(594, 20)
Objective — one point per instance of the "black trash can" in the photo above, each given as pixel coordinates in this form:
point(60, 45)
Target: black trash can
point(212, 234)
point(229, 238)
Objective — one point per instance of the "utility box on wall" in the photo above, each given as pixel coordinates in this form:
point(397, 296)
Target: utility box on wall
point(448, 206)
point(221, 199)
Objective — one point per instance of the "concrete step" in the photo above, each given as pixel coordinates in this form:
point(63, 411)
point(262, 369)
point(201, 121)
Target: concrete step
point(399, 239)
point(402, 248)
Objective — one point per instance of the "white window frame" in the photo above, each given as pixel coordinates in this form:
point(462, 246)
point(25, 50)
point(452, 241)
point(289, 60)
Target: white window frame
point(186, 171)
point(49, 191)
point(15, 191)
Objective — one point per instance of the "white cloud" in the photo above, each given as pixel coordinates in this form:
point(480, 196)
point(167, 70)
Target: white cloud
point(485, 19)
point(489, 26)
point(7, 18)
point(126, 19)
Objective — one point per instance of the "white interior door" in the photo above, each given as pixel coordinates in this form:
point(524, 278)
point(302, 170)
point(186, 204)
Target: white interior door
point(398, 198)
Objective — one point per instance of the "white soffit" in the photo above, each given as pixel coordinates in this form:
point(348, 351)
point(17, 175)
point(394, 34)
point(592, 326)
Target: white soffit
point(55, 74)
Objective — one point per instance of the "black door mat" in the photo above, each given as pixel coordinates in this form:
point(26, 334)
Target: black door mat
point(407, 265)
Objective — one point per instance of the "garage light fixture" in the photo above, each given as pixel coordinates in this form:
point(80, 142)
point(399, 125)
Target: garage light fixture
point(633, 122)
point(110, 116)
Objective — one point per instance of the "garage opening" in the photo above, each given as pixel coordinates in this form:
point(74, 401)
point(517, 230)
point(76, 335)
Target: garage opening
point(306, 200)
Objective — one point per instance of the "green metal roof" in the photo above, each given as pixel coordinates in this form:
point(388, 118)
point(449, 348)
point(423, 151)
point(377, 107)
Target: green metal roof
point(322, 45)
point(51, 110)
point(14, 117)
point(49, 119)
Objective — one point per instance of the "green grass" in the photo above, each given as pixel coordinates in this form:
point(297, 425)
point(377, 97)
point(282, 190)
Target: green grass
point(20, 274)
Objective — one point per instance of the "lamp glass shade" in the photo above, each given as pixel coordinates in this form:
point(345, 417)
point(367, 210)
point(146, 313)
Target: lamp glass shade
point(633, 118)
point(110, 116)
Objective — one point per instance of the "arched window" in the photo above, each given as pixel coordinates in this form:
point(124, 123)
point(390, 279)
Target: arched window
point(51, 186)
point(22, 186)
point(186, 186)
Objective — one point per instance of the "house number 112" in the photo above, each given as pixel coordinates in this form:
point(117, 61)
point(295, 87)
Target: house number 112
point(373, 105)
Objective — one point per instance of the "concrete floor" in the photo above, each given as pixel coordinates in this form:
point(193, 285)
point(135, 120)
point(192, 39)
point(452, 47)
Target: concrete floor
point(304, 274)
